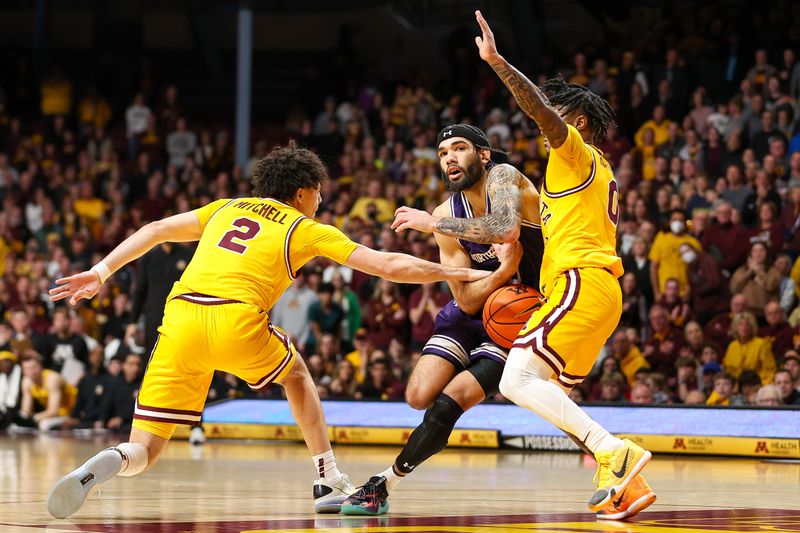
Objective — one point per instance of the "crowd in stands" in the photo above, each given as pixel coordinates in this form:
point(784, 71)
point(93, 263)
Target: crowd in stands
point(709, 232)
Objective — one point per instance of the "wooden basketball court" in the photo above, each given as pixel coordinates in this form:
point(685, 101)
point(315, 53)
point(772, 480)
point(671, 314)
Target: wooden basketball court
point(233, 487)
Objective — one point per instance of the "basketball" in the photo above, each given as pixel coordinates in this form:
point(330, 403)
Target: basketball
point(507, 310)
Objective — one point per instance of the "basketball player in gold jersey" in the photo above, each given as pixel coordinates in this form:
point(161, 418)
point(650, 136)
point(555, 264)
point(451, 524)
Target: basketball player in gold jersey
point(216, 317)
point(579, 207)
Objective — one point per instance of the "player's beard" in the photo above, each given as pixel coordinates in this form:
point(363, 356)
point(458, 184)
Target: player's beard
point(471, 175)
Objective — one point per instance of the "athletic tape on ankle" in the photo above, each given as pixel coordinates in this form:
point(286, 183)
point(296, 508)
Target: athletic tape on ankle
point(137, 458)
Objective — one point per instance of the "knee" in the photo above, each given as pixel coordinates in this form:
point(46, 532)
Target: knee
point(418, 398)
point(509, 383)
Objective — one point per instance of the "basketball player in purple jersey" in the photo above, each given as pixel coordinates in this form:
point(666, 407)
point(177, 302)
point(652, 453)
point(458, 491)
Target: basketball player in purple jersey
point(460, 365)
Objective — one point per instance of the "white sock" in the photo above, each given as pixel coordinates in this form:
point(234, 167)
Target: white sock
point(103, 466)
point(525, 383)
point(135, 458)
point(392, 478)
point(325, 463)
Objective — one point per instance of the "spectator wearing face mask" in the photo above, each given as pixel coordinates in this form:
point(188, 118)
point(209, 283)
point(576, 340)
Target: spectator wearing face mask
point(708, 289)
point(665, 255)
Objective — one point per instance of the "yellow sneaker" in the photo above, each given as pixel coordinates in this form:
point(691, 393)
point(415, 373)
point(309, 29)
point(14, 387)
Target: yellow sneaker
point(637, 497)
point(615, 470)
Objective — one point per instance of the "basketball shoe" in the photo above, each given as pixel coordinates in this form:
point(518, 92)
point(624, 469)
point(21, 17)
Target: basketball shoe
point(637, 497)
point(71, 491)
point(615, 470)
point(370, 499)
point(328, 497)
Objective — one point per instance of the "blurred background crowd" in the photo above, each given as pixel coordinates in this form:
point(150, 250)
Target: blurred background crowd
point(706, 154)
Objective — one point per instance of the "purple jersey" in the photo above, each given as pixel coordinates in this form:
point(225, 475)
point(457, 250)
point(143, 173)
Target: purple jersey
point(461, 338)
point(483, 258)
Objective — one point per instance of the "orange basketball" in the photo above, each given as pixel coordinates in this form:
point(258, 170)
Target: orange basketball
point(507, 310)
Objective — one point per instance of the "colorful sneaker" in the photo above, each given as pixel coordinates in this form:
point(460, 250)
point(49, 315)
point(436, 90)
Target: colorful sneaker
point(328, 497)
point(370, 499)
point(615, 470)
point(637, 497)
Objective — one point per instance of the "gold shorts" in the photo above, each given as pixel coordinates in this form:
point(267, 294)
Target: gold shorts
point(570, 329)
point(201, 334)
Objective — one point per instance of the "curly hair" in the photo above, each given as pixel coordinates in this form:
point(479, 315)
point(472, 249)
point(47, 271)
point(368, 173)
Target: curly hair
point(574, 97)
point(285, 169)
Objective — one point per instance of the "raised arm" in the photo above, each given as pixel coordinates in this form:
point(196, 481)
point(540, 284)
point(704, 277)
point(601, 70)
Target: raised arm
point(179, 228)
point(528, 96)
point(504, 185)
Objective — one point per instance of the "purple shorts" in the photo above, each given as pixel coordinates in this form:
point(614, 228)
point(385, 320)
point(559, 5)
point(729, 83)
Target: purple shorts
point(461, 339)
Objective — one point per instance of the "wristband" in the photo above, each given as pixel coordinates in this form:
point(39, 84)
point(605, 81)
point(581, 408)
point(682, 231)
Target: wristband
point(102, 270)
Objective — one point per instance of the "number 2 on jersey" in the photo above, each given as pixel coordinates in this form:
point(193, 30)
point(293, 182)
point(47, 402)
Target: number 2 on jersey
point(613, 202)
point(247, 229)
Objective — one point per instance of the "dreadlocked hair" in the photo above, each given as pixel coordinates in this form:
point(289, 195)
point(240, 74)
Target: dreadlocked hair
point(573, 97)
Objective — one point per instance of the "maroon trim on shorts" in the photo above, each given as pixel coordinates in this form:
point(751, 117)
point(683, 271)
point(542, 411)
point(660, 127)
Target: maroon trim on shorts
point(188, 298)
point(546, 360)
point(166, 420)
point(274, 373)
point(168, 411)
point(569, 385)
point(152, 353)
point(546, 327)
point(570, 376)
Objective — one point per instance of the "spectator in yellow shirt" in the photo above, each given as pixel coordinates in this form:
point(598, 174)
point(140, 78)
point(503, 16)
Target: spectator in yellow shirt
point(56, 95)
point(629, 356)
point(383, 210)
point(94, 110)
point(359, 357)
point(659, 124)
point(644, 156)
point(723, 390)
point(665, 255)
point(88, 207)
point(748, 352)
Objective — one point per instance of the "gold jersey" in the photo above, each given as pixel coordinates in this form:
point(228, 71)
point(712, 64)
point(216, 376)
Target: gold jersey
point(251, 249)
point(579, 205)
point(41, 395)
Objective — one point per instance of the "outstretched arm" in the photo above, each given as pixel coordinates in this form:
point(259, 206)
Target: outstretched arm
point(404, 268)
point(528, 96)
point(502, 225)
point(179, 228)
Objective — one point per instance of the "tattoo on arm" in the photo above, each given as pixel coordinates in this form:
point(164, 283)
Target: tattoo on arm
point(506, 216)
point(533, 102)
